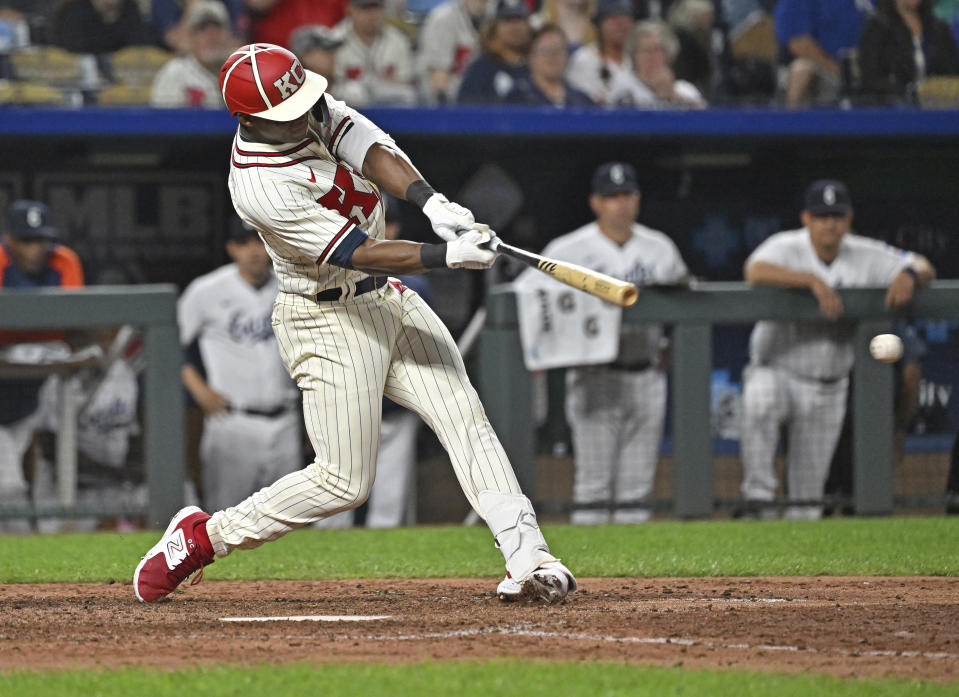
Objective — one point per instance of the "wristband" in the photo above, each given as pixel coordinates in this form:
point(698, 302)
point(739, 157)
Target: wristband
point(912, 272)
point(433, 256)
point(419, 192)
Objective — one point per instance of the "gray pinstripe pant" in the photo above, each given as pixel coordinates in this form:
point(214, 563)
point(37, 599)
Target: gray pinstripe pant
point(814, 413)
point(617, 422)
point(345, 356)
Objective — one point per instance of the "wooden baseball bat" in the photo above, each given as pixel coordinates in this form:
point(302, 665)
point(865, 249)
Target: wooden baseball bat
point(595, 283)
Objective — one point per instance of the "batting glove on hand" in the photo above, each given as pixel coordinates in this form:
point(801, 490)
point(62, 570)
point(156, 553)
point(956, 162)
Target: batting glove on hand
point(446, 217)
point(471, 250)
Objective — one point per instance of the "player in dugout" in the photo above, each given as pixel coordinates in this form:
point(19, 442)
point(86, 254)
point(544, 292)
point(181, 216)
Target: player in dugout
point(306, 173)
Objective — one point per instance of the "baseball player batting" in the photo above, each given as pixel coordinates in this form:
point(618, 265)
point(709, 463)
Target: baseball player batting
point(305, 172)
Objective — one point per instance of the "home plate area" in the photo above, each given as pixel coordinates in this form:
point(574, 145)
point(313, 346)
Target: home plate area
point(866, 627)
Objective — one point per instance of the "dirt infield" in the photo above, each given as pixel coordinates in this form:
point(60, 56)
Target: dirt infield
point(903, 627)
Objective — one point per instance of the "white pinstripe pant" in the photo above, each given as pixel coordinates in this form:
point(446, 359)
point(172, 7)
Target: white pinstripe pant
point(814, 413)
point(616, 418)
point(344, 357)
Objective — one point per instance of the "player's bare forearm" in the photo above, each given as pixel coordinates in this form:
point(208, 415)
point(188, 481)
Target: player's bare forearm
point(209, 400)
point(389, 170)
point(807, 47)
point(388, 256)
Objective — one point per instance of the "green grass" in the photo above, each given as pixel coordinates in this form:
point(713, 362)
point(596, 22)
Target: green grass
point(880, 547)
point(464, 679)
point(888, 546)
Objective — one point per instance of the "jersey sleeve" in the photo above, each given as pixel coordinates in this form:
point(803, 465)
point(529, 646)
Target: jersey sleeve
point(67, 263)
point(673, 268)
point(349, 135)
point(189, 314)
point(437, 47)
point(775, 250)
point(883, 261)
point(298, 225)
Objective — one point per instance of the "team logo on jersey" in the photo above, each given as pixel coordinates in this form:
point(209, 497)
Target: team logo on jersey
point(289, 82)
point(345, 198)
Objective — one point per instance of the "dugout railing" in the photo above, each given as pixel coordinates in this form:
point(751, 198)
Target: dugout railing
point(507, 390)
point(152, 308)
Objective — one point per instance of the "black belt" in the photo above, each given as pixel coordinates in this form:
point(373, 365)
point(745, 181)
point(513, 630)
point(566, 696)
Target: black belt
point(637, 367)
point(265, 413)
point(365, 286)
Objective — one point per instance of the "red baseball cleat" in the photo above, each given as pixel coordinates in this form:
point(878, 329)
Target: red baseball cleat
point(182, 550)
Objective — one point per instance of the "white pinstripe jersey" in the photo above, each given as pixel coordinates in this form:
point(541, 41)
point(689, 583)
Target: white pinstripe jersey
point(308, 200)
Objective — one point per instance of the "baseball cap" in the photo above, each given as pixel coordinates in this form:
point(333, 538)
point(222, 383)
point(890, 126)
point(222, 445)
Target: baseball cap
point(240, 230)
point(512, 9)
point(312, 36)
point(366, 3)
point(30, 220)
point(614, 178)
point(827, 197)
point(609, 8)
point(268, 81)
point(207, 12)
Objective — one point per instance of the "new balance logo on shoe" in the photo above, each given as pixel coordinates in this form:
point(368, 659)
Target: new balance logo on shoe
point(176, 549)
point(181, 552)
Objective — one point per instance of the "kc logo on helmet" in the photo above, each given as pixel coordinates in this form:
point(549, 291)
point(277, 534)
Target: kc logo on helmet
point(290, 81)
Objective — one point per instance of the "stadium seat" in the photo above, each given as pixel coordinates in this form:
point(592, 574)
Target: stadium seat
point(22, 92)
point(124, 95)
point(48, 64)
point(137, 65)
point(939, 92)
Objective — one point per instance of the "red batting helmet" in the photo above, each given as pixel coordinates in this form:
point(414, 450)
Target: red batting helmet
point(269, 82)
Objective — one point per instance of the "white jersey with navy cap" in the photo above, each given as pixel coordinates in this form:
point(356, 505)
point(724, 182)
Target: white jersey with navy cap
point(820, 350)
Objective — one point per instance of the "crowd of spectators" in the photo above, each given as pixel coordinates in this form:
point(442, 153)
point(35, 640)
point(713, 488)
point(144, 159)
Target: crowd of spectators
point(618, 53)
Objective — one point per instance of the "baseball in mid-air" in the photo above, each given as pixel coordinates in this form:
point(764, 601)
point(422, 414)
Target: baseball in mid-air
point(886, 348)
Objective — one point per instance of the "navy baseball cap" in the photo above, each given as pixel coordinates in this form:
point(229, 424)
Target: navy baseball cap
point(828, 197)
point(30, 220)
point(512, 9)
point(610, 8)
point(366, 3)
point(614, 178)
point(240, 230)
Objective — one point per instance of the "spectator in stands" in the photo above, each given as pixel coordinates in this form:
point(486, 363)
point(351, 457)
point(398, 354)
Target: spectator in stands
point(654, 84)
point(99, 26)
point(546, 83)
point(316, 47)
point(596, 67)
point(901, 45)
point(170, 21)
point(375, 56)
point(193, 79)
point(694, 24)
point(274, 21)
point(448, 40)
point(491, 76)
point(572, 17)
point(798, 372)
point(30, 257)
point(817, 35)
